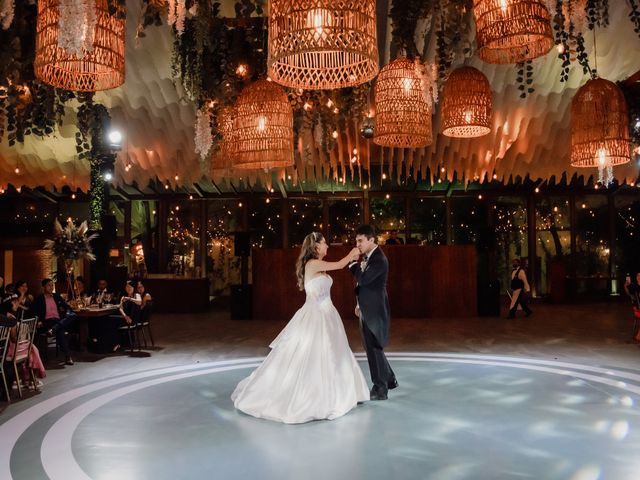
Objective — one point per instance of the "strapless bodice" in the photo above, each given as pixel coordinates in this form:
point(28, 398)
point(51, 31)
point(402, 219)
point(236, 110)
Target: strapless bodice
point(318, 289)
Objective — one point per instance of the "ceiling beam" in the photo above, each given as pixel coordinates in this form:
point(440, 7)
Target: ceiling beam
point(198, 189)
point(283, 190)
point(46, 195)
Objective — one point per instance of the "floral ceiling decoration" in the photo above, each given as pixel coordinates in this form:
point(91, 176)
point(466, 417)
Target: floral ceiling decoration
point(79, 45)
point(222, 48)
point(7, 11)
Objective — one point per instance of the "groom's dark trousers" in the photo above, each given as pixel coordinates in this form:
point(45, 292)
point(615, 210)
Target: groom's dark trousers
point(381, 373)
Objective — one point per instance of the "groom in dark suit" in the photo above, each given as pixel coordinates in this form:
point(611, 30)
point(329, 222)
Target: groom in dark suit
point(373, 309)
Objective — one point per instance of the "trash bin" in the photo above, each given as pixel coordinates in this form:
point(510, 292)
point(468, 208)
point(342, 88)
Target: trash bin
point(241, 300)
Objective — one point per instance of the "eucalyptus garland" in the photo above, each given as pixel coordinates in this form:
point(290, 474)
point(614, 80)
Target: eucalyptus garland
point(634, 16)
point(524, 78)
point(597, 13)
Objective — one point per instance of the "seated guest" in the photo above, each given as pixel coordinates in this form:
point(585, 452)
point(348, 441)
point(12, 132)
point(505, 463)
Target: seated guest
point(24, 299)
point(34, 362)
point(108, 336)
point(55, 316)
point(79, 287)
point(394, 239)
point(142, 297)
point(8, 320)
point(102, 294)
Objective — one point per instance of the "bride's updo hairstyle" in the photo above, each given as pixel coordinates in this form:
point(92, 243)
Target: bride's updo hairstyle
point(308, 251)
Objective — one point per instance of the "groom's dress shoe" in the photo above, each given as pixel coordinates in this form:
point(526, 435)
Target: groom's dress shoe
point(378, 395)
point(392, 384)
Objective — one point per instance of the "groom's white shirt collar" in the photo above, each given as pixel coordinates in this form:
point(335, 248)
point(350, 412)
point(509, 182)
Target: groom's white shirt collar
point(371, 252)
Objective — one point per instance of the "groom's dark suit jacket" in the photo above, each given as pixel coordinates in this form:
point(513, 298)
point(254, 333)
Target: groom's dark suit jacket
point(371, 292)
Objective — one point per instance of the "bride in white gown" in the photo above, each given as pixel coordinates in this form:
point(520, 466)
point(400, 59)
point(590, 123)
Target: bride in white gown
point(310, 373)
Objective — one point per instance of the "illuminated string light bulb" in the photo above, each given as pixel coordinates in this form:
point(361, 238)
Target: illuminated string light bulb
point(242, 70)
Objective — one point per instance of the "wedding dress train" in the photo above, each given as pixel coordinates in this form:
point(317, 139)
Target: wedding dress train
point(310, 373)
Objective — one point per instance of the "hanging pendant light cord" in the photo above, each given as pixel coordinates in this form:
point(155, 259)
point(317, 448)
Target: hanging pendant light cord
point(595, 54)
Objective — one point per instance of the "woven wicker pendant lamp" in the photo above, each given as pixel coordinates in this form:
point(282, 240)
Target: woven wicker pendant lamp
point(222, 160)
point(512, 31)
point(599, 126)
point(403, 115)
point(466, 104)
point(322, 44)
point(263, 127)
point(100, 69)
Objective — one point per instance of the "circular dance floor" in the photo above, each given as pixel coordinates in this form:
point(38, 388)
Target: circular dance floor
point(454, 417)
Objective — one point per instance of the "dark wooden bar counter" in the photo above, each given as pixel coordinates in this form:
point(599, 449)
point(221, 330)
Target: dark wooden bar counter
point(178, 295)
point(424, 282)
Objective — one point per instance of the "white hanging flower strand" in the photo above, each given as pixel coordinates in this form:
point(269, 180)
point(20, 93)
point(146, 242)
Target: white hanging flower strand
point(77, 25)
point(203, 137)
point(177, 14)
point(428, 79)
point(7, 11)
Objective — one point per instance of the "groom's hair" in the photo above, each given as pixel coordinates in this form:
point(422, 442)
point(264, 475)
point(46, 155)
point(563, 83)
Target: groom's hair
point(366, 230)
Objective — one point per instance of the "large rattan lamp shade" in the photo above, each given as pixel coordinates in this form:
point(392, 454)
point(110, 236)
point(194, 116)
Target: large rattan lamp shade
point(222, 160)
point(322, 44)
point(599, 126)
point(100, 69)
point(466, 104)
point(403, 115)
point(512, 31)
point(263, 127)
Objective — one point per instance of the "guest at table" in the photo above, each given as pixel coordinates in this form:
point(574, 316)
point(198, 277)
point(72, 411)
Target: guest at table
point(56, 317)
point(24, 298)
point(394, 239)
point(102, 294)
point(8, 320)
point(106, 333)
point(80, 287)
point(34, 362)
point(142, 297)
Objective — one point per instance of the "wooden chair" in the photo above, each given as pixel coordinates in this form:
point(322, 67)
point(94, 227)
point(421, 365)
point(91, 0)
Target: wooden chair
point(21, 350)
point(4, 347)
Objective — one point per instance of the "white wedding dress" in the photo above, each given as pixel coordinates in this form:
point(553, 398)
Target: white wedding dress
point(310, 373)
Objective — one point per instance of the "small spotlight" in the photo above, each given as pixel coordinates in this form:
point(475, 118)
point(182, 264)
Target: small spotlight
point(115, 137)
point(108, 176)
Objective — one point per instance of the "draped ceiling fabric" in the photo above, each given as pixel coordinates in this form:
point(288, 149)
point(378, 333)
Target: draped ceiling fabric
point(529, 136)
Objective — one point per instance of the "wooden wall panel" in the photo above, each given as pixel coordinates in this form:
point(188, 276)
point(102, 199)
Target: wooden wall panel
point(424, 282)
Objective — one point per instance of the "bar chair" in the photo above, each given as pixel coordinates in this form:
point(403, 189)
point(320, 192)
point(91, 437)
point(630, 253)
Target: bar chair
point(21, 351)
point(4, 347)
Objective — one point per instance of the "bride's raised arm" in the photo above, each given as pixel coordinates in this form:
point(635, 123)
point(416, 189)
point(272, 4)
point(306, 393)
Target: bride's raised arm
point(314, 266)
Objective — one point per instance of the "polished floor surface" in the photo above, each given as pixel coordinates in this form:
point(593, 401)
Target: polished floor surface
point(554, 396)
